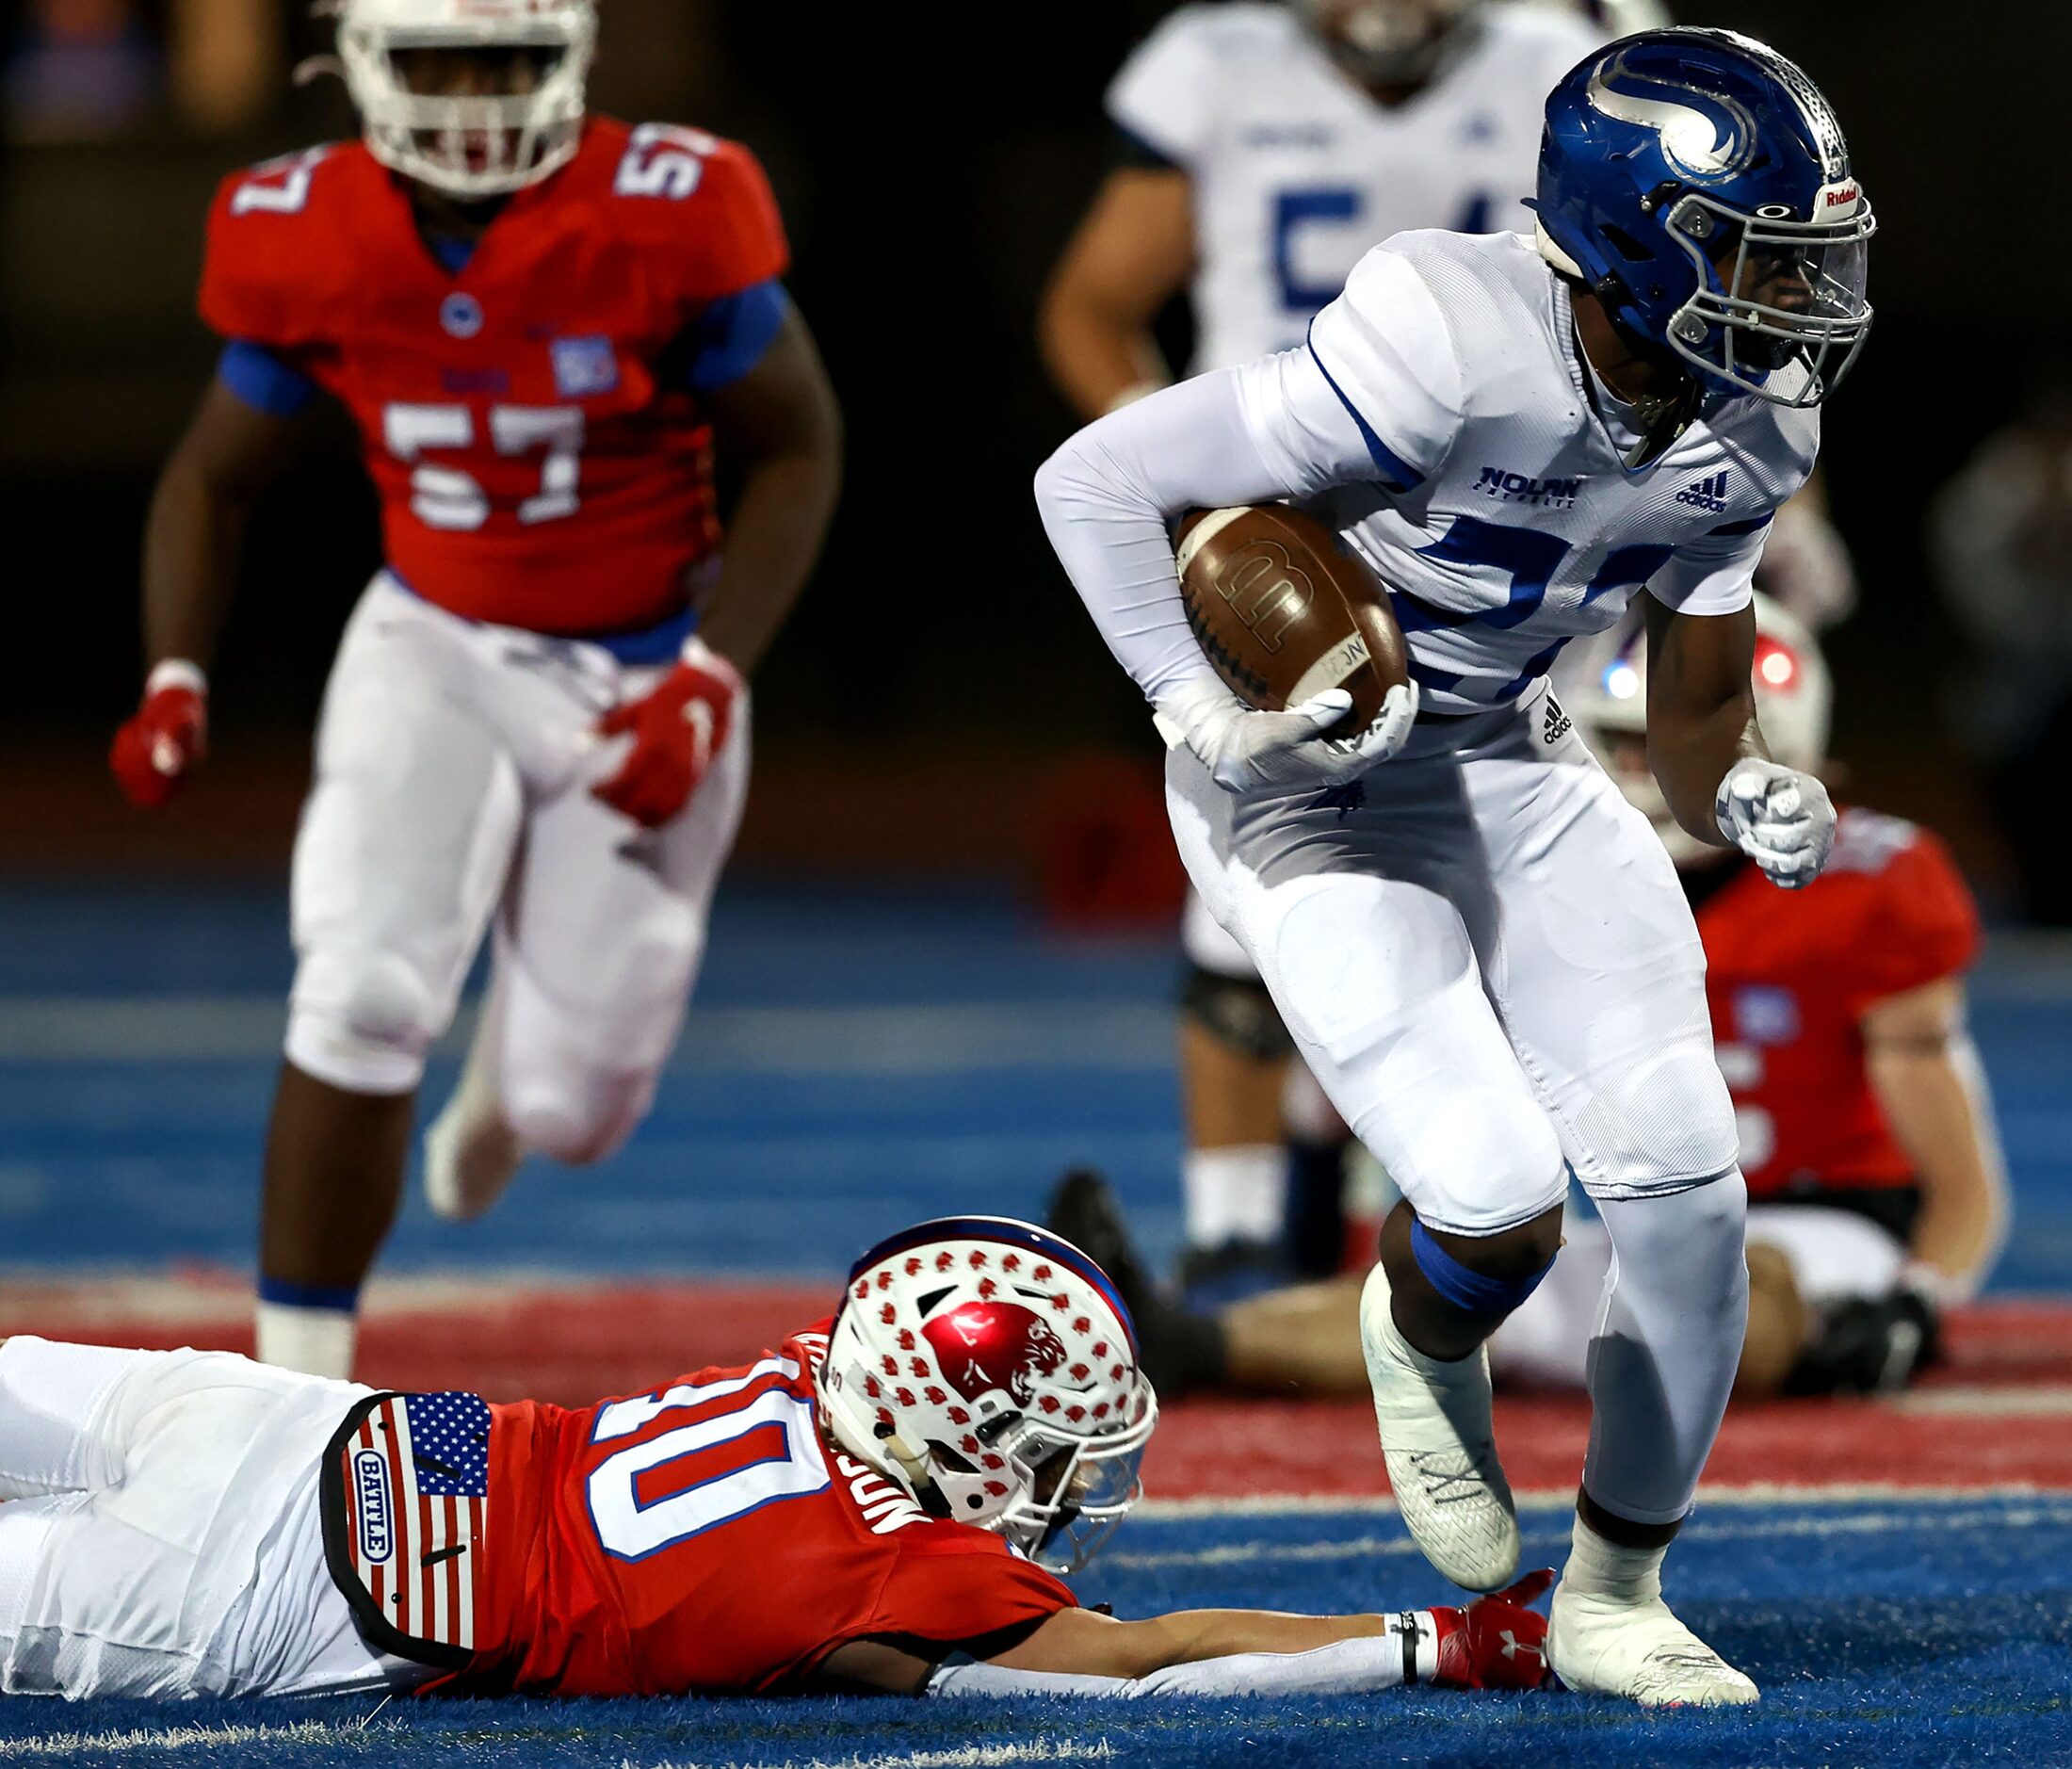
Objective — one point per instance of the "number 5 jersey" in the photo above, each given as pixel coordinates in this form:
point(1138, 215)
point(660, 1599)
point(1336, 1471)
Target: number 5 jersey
point(531, 409)
point(701, 1537)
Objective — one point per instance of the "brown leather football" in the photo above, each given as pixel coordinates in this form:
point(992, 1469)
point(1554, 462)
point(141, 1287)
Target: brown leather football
point(1284, 611)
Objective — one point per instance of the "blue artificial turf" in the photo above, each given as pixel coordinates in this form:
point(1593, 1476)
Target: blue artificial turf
point(1923, 1632)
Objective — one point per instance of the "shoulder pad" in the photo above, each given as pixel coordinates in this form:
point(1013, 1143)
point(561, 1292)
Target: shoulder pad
point(700, 201)
point(276, 243)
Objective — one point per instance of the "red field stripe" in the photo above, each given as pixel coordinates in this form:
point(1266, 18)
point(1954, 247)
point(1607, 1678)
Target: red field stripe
point(1238, 1448)
point(574, 1344)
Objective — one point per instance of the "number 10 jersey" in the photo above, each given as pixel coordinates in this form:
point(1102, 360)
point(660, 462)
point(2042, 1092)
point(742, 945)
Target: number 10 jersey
point(702, 1539)
point(540, 461)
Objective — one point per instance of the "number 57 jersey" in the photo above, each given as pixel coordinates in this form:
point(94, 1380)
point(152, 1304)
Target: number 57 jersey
point(699, 1539)
point(530, 417)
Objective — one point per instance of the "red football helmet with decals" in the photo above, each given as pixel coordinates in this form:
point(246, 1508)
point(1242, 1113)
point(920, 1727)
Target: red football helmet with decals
point(989, 1367)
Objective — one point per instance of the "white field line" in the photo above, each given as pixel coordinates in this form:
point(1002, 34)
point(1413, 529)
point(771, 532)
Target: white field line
point(1755, 1495)
point(1554, 1536)
point(968, 1757)
point(921, 1039)
point(207, 1737)
point(2043, 1400)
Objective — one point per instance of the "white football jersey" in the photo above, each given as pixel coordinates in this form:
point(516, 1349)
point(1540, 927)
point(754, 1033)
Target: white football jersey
point(1439, 418)
point(1296, 171)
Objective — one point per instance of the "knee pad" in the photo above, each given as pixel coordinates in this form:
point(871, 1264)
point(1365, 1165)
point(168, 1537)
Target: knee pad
point(1472, 1291)
point(362, 1022)
point(1472, 1160)
point(578, 1116)
point(1235, 1012)
point(1664, 1123)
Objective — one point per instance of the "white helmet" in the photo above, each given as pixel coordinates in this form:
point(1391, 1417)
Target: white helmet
point(990, 1368)
point(1794, 699)
point(484, 146)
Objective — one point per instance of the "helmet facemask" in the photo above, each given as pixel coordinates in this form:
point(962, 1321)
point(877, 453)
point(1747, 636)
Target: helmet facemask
point(1391, 43)
point(1792, 291)
point(477, 143)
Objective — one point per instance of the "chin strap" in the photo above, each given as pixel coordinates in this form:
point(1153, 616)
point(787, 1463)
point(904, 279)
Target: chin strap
point(1663, 416)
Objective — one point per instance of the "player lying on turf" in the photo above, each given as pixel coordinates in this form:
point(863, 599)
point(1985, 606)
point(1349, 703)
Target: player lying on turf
point(1875, 1183)
point(864, 1507)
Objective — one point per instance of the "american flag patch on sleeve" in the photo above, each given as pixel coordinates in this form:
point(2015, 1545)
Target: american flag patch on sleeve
point(406, 1503)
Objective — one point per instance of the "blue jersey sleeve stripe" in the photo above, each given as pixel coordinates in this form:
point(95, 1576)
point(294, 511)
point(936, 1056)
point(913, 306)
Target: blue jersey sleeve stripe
point(262, 380)
point(730, 337)
point(1397, 473)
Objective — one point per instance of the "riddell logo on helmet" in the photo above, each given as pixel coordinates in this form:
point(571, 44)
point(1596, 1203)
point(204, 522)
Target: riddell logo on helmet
point(982, 1347)
point(1845, 197)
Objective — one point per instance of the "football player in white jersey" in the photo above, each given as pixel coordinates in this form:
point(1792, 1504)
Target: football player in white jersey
point(1265, 147)
point(1479, 946)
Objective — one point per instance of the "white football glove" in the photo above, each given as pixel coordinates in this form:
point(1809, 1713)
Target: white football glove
point(1780, 819)
point(1246, 751)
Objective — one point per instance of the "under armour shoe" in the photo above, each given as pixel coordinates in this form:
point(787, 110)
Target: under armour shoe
point(1441, 1450)
point(1609, 1646)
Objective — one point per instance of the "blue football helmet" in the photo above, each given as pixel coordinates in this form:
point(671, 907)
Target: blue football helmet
point(1698, 183)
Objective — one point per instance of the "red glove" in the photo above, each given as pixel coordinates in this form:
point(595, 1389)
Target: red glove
point(168, 736)
point(676, 730)
point(1496, 1642)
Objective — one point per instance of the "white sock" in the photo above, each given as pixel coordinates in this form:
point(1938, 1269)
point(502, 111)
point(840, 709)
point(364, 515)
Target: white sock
point(316, 1341)
point(1235, 1193)
point(1598, 1568)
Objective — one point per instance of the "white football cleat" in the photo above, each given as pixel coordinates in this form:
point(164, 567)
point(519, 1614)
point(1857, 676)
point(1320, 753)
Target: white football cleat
point(468, 1162)
point(470, 1152)
point(1440, 1448)
point(1603, 1646)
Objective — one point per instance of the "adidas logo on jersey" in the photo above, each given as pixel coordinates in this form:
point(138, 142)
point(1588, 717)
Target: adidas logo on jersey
point(1706, 493)
point(1519, 488)
point(1554, 723)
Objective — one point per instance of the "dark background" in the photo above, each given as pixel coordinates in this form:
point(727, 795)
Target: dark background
point(929, 163)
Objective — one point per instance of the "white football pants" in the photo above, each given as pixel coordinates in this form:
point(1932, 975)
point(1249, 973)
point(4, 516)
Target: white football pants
point(1484, 957)
point(454, 763)
point(160, 1533)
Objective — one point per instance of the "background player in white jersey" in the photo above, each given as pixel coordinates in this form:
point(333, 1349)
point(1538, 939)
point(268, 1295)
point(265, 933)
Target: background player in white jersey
point(1480, 946)
point(1265, 148)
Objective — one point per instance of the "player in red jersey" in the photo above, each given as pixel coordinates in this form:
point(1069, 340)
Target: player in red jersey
point(1876, 1190)
point(865, 1507)
point(544, 324)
